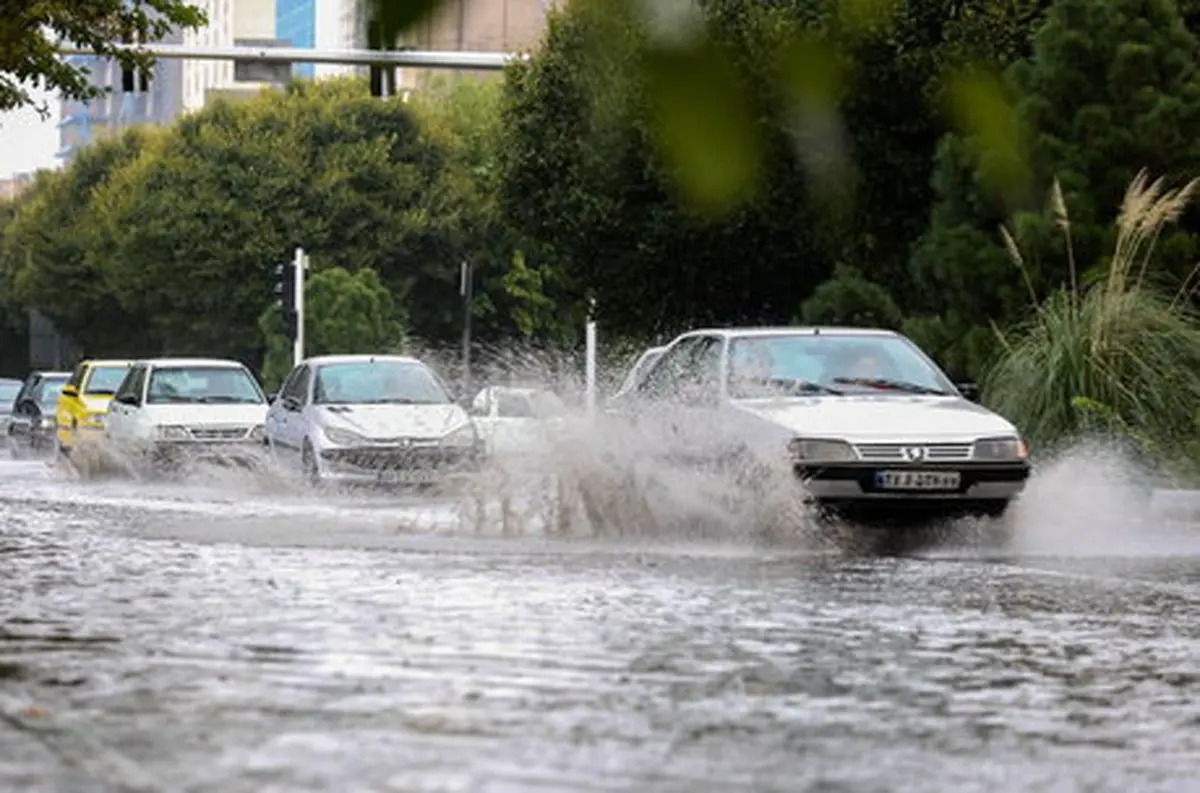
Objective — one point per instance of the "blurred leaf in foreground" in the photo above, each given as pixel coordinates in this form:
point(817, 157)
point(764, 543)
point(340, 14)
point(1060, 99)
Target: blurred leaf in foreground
point(981, 110)
point(705, 124)
point(813, 76)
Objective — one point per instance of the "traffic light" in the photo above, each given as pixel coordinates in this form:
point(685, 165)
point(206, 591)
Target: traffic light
point(285, 297)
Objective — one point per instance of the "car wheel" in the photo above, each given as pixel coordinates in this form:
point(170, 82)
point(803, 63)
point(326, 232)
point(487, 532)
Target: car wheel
point(308, 463)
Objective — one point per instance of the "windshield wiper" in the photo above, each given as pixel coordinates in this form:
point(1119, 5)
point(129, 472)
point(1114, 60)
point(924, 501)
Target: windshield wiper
point(223, 398)
point(884, 383)
point(803, 386)
point(100, 392)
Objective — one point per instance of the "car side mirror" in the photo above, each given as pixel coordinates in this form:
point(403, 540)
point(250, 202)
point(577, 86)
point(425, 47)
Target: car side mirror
point(969, 390)
point(28, 404)
point(70, 391)
point(127, 399)
point(272, 397)
point(290, 403)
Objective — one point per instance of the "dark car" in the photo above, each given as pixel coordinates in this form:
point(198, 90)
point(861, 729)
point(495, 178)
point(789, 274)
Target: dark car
point(8, 396)
point(31, 426)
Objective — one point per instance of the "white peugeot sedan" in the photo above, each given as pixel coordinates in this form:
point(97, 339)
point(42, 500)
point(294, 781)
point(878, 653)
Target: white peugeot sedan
point(385, 419)
point(870, 425)
point(173, 409)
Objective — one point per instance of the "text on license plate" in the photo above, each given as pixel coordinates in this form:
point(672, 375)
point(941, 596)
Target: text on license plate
point(407, 477)
point(918, 480)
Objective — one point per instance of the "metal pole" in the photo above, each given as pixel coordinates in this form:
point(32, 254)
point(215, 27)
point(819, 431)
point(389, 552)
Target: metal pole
point(467, 290)
point(484, 61)
point(298, 348)
point(590, 366)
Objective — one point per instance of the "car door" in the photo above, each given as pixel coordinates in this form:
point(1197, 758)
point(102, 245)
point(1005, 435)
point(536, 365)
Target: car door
point(24, 410)
point(289, 422)
point(123, 411)
point(67, 411)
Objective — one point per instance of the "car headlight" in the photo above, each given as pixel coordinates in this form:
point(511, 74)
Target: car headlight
point(46, 422)
point(821, 451)
point(171, 432)
point(343, 437)
point(1001, 449)
point(258, 433)
point(463, 436)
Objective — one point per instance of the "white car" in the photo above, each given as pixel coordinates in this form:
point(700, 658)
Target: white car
point(870, 425)
point(515, 422)
point(638, 371)
point(173, 409)
point(370, 419)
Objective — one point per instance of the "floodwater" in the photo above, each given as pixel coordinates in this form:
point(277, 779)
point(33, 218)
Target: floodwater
point(225, 637)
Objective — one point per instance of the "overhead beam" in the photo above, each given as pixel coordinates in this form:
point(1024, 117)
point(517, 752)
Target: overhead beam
point(489, 61)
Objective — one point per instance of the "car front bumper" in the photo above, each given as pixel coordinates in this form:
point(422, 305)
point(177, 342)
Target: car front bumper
point(176, 452)
point(850, 484)
point(399, 465)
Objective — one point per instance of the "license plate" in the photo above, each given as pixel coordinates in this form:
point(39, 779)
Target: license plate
point(918, 480)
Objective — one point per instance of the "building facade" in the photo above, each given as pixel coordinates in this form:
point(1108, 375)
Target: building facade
point(296, 26)
point(155, 99)
point(230, 22)
point(476, 26)
point(12, 186)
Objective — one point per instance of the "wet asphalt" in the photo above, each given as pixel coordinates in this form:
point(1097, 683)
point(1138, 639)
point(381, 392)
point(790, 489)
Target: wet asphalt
point(234, 635)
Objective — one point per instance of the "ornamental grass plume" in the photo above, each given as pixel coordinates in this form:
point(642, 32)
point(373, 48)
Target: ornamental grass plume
point(1120, 356)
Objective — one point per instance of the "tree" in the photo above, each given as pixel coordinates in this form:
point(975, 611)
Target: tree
point(345, 313)
point(30, 31)
point(45, 252)
point(189, 233)
point(1111, 87)
point(848, 298)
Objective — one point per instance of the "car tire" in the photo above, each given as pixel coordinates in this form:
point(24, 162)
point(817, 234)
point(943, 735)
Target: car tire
point(309, 467)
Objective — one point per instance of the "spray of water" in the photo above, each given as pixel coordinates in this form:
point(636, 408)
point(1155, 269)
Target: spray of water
point(581, 475)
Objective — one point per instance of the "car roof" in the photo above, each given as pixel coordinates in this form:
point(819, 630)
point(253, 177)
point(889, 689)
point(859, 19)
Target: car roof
point(39, 373)
point(223, 363)
point(792, 330)
point(106, 362)
point(368, 357)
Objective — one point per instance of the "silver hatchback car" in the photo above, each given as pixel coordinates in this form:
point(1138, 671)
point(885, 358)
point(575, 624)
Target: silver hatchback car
point(384, 419)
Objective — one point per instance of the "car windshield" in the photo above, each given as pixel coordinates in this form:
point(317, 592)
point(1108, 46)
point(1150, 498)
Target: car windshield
point(105, 379)
point(8, 392)
point(377, 383)
point(47, 392)
point(547, 404)
point(810, 363)
point(640, 367)
point(202, 385)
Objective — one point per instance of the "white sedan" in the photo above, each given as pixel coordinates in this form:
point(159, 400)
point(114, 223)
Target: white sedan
point(172, 409)
point(863, 418)
point(370, 419)
point(517, 422)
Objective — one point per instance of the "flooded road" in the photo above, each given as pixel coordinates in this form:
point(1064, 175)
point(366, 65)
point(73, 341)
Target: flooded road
point(217, 638)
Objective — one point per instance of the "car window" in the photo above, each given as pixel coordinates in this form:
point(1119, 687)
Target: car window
point(762, 366)
point(104, 380)
point(202, 385)
point(640, 367)
point(377, 382)
point(662, 379)
point(131, 385)
point(296, 386)
point(547, 404)
point(9, 391)
point(77, 375)
point(46, 392)
point(513, 406)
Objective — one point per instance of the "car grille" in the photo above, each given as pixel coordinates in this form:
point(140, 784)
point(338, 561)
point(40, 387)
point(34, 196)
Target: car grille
point(384, 459)
point(895, 452)
point(219, 433)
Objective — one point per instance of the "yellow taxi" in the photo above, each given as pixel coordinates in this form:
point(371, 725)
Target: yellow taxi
point(83, 402)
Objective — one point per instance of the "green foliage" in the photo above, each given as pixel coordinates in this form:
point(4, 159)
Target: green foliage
point(45, 253)
point(345, 313)
point(29, 32)
point(1120, 350)
point(850, 299)
point(1111, 86)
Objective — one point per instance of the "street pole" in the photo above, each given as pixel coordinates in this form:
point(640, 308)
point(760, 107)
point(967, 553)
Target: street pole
point(466, 288)
point(298, 346)
point(590, 358)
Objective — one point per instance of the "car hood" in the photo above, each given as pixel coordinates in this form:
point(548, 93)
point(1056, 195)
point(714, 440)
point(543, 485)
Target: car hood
point(202, 415)
point(873, 418)
point(395, 421)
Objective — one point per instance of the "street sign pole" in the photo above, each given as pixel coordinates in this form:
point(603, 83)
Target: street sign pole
point(466, 288)
point(299, 262)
